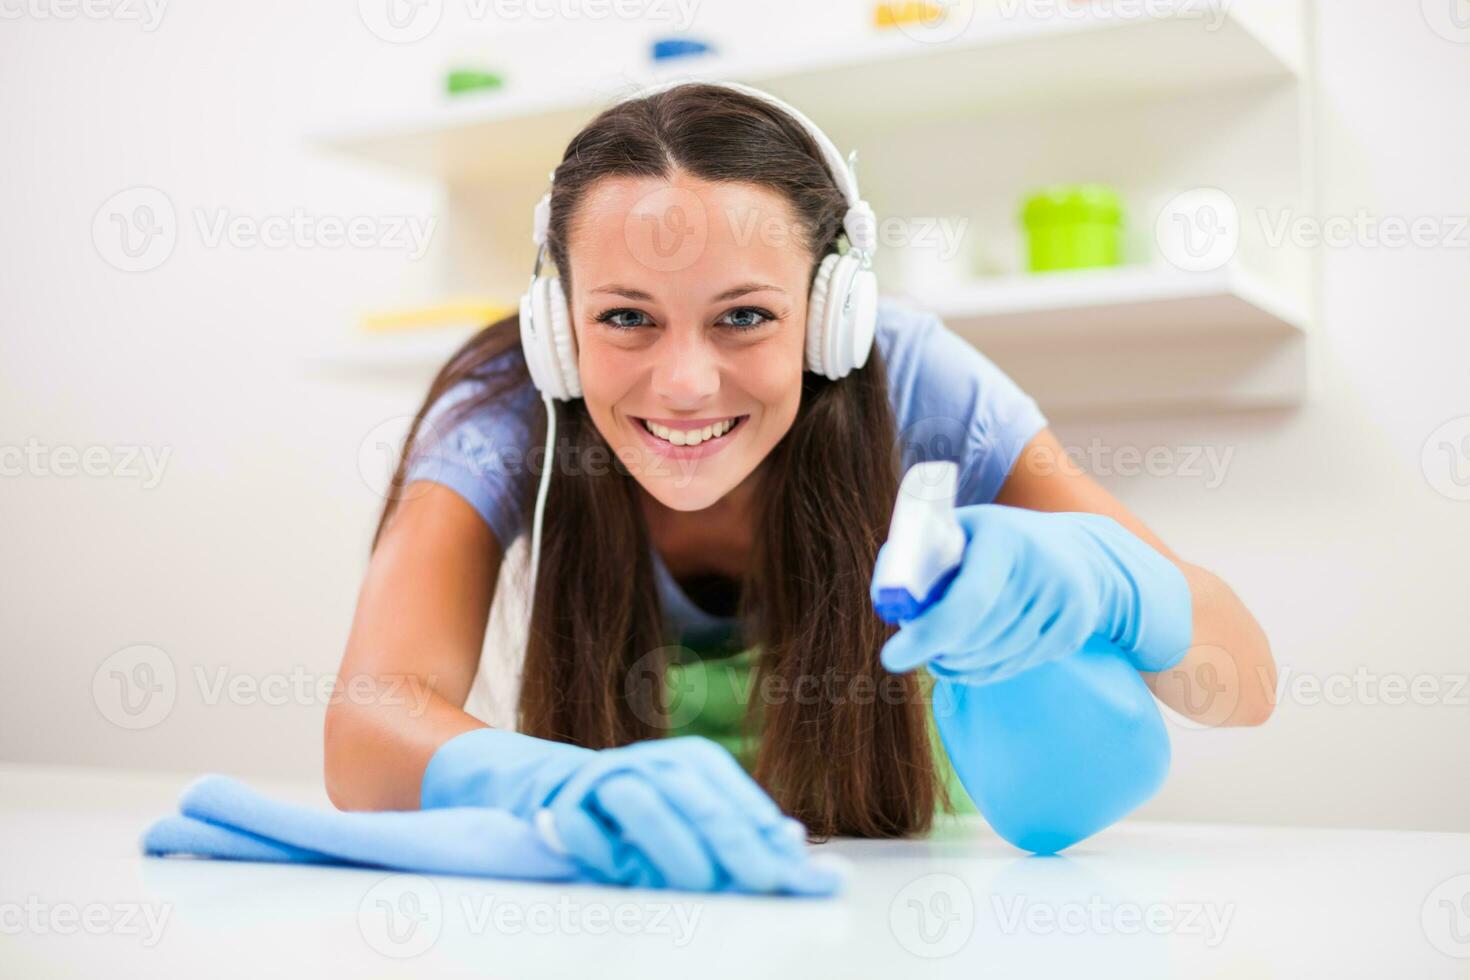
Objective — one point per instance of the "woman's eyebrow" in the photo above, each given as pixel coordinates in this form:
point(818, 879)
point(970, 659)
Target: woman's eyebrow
point(747, 287)
point(627, 292)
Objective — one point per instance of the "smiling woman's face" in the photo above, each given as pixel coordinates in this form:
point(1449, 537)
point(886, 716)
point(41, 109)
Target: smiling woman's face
point(689, 304)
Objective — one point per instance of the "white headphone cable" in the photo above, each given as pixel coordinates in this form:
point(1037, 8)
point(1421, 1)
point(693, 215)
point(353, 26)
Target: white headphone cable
point(541, 492)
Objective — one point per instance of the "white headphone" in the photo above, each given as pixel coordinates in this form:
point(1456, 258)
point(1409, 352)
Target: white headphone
point(842, 312)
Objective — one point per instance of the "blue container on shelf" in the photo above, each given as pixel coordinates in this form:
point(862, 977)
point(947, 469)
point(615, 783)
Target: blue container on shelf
point(665, 48)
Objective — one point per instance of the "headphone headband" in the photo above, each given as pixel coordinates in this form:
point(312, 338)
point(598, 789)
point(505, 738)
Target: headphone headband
point(859, 223)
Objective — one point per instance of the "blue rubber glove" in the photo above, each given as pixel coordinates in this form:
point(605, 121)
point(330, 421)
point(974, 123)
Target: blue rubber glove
point(677, 812)
point(1034, 586)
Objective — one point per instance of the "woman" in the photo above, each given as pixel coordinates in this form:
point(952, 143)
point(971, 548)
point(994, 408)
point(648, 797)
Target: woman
point(713, 490)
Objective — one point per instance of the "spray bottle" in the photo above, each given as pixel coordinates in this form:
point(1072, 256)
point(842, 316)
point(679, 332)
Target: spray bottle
point(1051, 755)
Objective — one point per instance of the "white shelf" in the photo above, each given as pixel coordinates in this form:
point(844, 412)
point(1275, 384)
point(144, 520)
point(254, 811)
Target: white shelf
point(1121, 304)
point(855, 84)
point(1137, 341)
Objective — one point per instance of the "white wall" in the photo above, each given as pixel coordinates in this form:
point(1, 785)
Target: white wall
point(1328, 523)
point(246, 556)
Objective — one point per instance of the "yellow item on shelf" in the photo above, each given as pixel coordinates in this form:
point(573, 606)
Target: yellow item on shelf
point(906, 12)
point(449, 314)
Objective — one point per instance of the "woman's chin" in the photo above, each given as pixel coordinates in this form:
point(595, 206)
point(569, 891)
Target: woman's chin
point(685, 494)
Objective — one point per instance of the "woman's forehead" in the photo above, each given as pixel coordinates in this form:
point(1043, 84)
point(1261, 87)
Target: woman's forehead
point(686, 225)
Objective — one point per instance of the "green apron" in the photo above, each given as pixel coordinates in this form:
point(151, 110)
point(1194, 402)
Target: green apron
point(710, 686)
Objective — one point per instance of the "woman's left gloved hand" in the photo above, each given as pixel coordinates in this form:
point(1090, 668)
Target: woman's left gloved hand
point(1034, 586)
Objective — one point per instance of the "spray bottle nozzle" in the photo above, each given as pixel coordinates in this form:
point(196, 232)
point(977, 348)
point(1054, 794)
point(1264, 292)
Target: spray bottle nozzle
point(925, 543)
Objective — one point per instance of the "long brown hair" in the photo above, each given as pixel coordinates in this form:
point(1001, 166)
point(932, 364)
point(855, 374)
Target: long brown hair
point(858, 761)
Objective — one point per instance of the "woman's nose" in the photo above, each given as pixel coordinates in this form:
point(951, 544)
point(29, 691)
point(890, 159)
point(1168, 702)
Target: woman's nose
point(686, 371)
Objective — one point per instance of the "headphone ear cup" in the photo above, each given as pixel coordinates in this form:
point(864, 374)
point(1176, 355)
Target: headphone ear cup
point(849, 313)
point(531, 343)
point(816, 315)
point(543, 313)
point(842, 316)
point(836, 332)
point(862, 322)
point(564, 339)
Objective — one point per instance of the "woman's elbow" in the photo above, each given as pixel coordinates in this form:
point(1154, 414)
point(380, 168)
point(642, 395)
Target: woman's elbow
point(341, 749)
point(1256, 697)
point(1253, 713)
point(1259, 702)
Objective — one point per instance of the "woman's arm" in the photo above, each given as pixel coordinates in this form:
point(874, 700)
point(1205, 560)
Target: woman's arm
point(1228, 677)
point(419, 626)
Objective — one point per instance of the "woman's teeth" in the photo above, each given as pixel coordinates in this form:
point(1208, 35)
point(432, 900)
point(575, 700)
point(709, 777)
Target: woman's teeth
point(689, 437)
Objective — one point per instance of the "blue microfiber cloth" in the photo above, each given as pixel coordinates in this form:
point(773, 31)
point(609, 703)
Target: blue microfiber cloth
point(220, 817)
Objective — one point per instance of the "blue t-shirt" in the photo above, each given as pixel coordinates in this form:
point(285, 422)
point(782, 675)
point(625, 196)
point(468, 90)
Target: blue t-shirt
point(949, 402)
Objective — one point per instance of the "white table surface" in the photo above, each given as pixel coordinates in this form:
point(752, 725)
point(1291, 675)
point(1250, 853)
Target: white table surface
point(1139, 900)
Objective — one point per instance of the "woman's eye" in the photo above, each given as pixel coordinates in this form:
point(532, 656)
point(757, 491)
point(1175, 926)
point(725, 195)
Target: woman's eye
point(613, 318)
point(742, 318)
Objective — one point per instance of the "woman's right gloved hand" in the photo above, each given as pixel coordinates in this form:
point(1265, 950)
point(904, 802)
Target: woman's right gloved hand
point(677, 812)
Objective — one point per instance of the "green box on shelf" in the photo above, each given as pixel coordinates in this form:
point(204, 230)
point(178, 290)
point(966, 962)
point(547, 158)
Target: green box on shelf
point(461, 80)
point(1073, 226)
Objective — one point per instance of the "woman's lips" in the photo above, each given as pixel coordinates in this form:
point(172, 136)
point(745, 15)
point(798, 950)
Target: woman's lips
point(706, 448)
